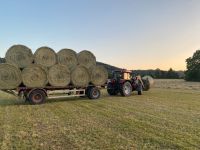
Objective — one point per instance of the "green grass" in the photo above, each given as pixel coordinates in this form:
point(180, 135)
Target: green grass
point(159, 119)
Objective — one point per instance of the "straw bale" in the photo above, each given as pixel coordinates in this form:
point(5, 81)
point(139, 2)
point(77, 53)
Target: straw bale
point(99, 75)
point(34, 76)
point(19, 55)
point(68, 58)
point(59, 75)
point(45, 56)
point(10, 76)
point(80, 76)
point(86, 59)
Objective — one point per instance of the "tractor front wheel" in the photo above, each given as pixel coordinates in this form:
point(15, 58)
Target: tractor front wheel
point(111, 90)
point(126, 89)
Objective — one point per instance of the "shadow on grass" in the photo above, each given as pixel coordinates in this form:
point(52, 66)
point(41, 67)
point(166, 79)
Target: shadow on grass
point(10, 102)
point(7, 102)
point(17, 101)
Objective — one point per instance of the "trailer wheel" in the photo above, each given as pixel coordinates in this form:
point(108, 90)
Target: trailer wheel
point(126, 89)
point(93, 93)
point(37, 97)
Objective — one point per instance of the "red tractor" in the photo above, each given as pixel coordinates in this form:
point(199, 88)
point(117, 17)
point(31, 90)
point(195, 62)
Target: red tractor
point(124, 83)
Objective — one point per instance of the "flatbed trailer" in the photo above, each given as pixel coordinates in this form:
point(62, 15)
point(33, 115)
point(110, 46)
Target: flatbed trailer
point(39, 95)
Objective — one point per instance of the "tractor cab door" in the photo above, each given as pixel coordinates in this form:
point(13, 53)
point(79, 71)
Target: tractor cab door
point(117, 75)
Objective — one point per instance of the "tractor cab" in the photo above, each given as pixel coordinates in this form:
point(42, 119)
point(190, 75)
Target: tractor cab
point(121, 75)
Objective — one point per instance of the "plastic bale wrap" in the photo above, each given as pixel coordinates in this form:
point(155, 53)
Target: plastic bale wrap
point(80, 76)
point(10, 77)
point(34, 76)
point(86, 59)
point(98, 75)
point(19, 55)
point(148, 82)
point(67, 57)
point(59, 75)
point(45, 56)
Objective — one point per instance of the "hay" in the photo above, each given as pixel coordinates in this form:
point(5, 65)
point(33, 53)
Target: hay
point(86, 59)
point(34, 76)
point(80, 76)
point(19, 55)
point(148, 82)
point(68, 58)
point(10, 77)
point(59, 75)
point(99, 75)
point(45, 56)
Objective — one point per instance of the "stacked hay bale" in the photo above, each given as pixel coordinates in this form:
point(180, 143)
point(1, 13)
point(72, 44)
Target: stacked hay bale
point(45, 67)
point(10, 76)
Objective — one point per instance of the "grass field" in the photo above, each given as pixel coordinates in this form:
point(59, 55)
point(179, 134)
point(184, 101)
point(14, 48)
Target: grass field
point(166, 117)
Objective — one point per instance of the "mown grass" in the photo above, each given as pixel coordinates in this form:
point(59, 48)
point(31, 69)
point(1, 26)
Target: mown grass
point(159, 119)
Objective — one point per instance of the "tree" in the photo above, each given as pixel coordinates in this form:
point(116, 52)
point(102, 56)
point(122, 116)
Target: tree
point(193, 67)
point(171, 74)
point(158, 74)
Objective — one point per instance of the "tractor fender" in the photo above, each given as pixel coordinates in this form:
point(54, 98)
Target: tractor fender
point(123, 81)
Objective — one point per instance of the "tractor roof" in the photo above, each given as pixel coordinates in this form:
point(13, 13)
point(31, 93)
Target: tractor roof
point(123, 71)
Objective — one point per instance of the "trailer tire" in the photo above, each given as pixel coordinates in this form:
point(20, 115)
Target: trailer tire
point(93, 93)
point(37, 97)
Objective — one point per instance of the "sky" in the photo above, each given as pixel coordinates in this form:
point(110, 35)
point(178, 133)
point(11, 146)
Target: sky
point(131, 34)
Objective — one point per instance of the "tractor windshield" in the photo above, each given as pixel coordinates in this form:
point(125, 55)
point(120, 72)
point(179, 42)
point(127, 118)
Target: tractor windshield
point(121, 75)
point(127, 76)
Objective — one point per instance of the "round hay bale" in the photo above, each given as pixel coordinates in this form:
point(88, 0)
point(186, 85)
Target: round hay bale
point(10, 77)
point(99, 75)
point(80, 76)
point(68, 58)
point(19, 55)
point(59, 75)
point(86, 59)
point(148, 82)
point(45, 56)
point(34, 76)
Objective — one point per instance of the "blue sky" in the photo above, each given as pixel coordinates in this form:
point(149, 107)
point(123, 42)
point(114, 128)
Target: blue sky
point(133, 34)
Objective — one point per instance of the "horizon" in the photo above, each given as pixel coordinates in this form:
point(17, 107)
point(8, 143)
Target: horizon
point(131, 34)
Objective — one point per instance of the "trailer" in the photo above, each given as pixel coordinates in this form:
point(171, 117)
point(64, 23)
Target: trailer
point(40, 95)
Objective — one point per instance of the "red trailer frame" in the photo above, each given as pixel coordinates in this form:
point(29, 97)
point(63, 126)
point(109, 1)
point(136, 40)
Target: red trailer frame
point(39, 95)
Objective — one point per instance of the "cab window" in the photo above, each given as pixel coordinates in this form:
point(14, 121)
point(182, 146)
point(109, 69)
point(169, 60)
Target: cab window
point(127, 76)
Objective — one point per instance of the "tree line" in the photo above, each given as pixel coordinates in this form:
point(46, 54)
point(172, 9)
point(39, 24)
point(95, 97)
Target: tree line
point(161, 74)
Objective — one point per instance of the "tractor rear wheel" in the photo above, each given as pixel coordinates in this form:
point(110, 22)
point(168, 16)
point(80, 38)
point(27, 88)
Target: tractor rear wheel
point(126, 89)
point(111, 90)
